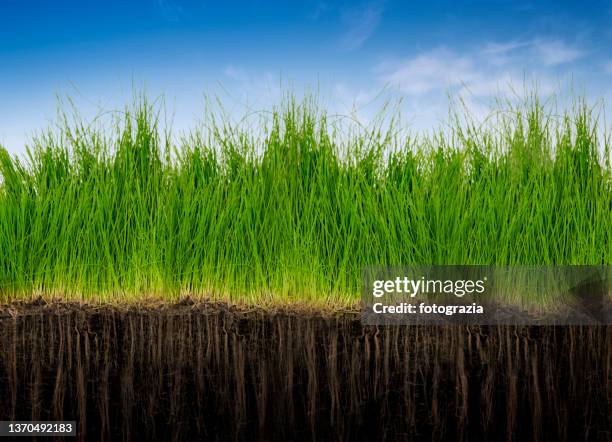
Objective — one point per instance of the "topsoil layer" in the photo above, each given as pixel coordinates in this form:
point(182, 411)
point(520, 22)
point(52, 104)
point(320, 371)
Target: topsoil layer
point(210, 371)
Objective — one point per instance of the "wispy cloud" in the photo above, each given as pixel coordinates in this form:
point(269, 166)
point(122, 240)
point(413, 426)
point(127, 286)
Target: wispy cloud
point(321, 8)
point(355, 99)
point(487, 70)
point(545, 52)
point(259, 88)
point(169, 10)
point(500, 53)
point(479, 74)
point(360, 104)
point(360, 24)
point(556, 52)
point(435, 69)
point(235, 73)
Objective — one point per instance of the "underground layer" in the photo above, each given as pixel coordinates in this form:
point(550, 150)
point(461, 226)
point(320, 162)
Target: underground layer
point(217, 372)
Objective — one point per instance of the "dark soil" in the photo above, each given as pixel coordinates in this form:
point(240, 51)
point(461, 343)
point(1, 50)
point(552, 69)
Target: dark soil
point(209, 371)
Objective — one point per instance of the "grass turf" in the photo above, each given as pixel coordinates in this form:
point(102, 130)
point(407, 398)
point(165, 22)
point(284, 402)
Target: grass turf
point(290, 211)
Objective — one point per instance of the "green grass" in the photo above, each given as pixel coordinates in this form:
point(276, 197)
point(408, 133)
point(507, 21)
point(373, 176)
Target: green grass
point(292, 210)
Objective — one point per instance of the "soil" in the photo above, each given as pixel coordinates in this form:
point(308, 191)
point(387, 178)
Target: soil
point(211, 371)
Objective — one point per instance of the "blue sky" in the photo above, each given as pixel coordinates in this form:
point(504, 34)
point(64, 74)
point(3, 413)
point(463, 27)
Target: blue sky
point(97, 52)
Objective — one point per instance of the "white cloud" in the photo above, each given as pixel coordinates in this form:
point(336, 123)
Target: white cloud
point(235, 73)
point(252, 89)
point(502, 83)
point(361, 24)
point(359, 104)
point(492, 69)
point(502, 53)
point(477, 75)
point(320, 9)
point(539, 51)
point(497, 48)
point(547, 53)
point(556, 52)
point(170, 10)
point(439, 68)
point(356, 98)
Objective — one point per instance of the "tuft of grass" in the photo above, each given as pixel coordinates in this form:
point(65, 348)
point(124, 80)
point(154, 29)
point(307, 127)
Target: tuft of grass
point(292, 210)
